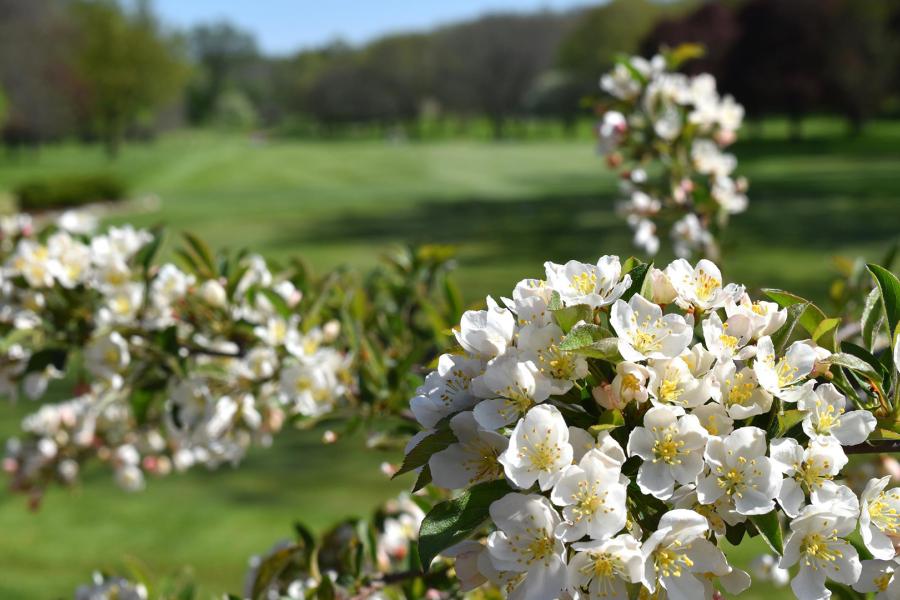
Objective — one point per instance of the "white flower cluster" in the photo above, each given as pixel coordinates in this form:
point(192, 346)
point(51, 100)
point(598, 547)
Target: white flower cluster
point(635, 429)
point(174, 369)
point(111, 588)
point(666, 131)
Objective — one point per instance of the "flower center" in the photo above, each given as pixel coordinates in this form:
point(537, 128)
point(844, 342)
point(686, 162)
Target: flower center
point(818, 547)
point(884, 514)
point(584, 283)
point(587, 500)
point(540, 548)
point(786, 372)
point(883, 581)
point(645, 341)
point(542, 455)
point(670, 390)
point(630, 383)
point(739, 391)
point(827, 418)
point(669, 562)
point(666, 448)
point(706, 285)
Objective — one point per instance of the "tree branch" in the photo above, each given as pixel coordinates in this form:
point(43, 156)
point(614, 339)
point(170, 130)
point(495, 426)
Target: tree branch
point(874, 447)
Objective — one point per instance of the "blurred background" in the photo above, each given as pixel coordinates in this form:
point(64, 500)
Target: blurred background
point(335, 130)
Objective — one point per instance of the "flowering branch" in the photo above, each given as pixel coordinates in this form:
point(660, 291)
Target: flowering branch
point(664, 132)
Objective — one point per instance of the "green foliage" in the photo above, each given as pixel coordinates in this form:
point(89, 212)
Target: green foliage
point(451, 522)
point(127, 63)
point(67, 192)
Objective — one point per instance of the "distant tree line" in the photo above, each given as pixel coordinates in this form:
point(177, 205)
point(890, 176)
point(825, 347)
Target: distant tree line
point(103, 70)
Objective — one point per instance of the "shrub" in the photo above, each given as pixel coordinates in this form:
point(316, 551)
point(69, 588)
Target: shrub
point(66, 192)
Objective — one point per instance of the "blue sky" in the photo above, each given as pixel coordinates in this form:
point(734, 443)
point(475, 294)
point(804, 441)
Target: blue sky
point(282, 26)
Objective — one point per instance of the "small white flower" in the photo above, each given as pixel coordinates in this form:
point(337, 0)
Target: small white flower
point(213, 293)
point(673, 384)
point(727, 341)
point(472, 460)
point(700, 286)
point(671, 448)
point(816, 543)
point(593, 285)
point(714, 418)
point(677, 555)
point(446, 390)
point(826, 417)
point(879, 518)
point(879, 576)
point(541, 346)
point(645, 333)
point(780, 377)
point(122, 304)
point(629, 385)
point(739, 392)
point(600, 569)
point(486, 333)
point(765, 317)
point(807, 471)
point(583, 442)
point(690, 235)
point(107, 356)
point(309, 387)
point(517, 386)
point(739, 468)
point(765, 568)
point(467, 554)
point(525, 543)
point(538, 449)
point(592, 497)
point(709, 160)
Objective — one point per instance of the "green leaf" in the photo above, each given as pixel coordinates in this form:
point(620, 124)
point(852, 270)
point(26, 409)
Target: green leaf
point(567, 317)
point(610, 419)
point(278, 302)
point(890, 293)
point(872, 318)
point(591, 340)
point(784, 334)
point(810, 318)
point(858, 359)
point(145, 255)
point(825, 326)
point(735, 533)
point(789, 419)
point(638, 276)
point(770, 529)
point(42, 359)
point(452, 521)
point(421, 452)
point(272, 567)
point(201, 252)
point(423, 479)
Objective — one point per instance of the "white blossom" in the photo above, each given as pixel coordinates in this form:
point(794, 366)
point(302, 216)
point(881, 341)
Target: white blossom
point(645, 333)
point(525, 543)
point(671, 448)
point(538, 449)
point(592, 498)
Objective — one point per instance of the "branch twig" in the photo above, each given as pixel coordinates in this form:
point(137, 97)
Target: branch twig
point(874, 447)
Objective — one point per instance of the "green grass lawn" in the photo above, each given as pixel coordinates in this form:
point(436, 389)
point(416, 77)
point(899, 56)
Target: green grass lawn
point(508, 206)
